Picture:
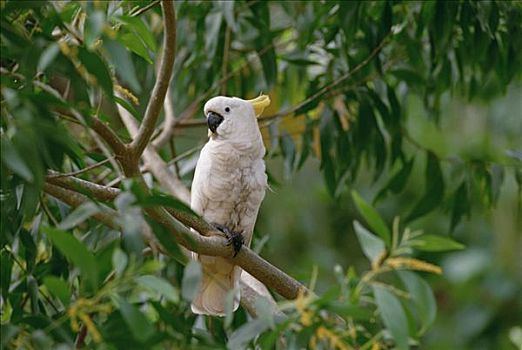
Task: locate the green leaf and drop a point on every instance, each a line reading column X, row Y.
column 96, row 66
column 140, row 326
column 394, row 104
column 48, row 56
column 212, row 28
column 76, row 252
column 29, row 247
column 119, row 261
column 227, row 8
column 372, row 217
column 141, row 29
column 435, row 243
column 8, row 332
column 393, row 316
column 240, row 338
column 161, row 199
column 93, row 27
column 32, row 289
column 288, row 149
column 372, row 246
column 12, row 160
column 422, row 296
column 410, row 76
column 168, row 242
column 191, row 280
column 128, row 107
column 6, row 267
column 349, row 19
column 159, row 285
column 434, row 192
column 460, row 206
column 397, row 182
column 269, row 65
column 79, row 215
column 59, row 288
column 133, row 42
column 349, row 310
column 122, row 62
column 229, row 308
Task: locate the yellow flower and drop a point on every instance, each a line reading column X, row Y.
column 412, row 264
column 127, row 94
column 324, row 334
column 82, row 310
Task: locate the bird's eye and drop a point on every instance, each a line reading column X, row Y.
column 227, row 109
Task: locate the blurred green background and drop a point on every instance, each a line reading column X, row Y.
column 480, row 293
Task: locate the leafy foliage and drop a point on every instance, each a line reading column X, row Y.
column 339, row 74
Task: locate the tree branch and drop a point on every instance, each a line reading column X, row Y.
column 162, row 82
column 207, row 242
column 153, row 162
column 84, row 170
column 168, row 125
column 90, row 189
column 75, row 199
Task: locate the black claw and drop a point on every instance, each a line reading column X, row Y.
column 235, row 239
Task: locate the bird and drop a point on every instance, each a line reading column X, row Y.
column 228, row 187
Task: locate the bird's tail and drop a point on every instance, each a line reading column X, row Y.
column 219, row 277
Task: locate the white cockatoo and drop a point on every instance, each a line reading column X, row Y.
column 228, row 188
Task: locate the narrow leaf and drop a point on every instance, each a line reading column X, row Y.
column 96, row 66
column 435, row 243
column 76, row 252
column 372, row 246
column 392, row 315
column 79, row 215
column 240, row 338
column 59, row 288
column 434, row 192
column 122, row 62
column 132, row 42
column 164, row 200
column 422, row 296
column 141, row 328
column 372, row 217
column 141, row 29
column 12, row 159
column 159, row 285
column 191, row 280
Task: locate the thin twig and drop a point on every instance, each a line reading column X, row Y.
column 99, row 192
column 170, row 122
column 80, row 339
column 162, row 82
column 144, row 9
column 81, row 171
column 47, row 211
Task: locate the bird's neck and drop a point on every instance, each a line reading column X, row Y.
column 252, row 147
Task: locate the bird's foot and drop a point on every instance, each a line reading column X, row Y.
column 235, row 239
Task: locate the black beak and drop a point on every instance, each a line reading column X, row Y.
column 213, row 121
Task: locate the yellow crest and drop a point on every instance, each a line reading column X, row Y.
column 260, row 103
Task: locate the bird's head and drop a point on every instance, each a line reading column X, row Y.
column 232, row 117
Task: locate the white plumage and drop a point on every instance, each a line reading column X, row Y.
column 228, row 188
